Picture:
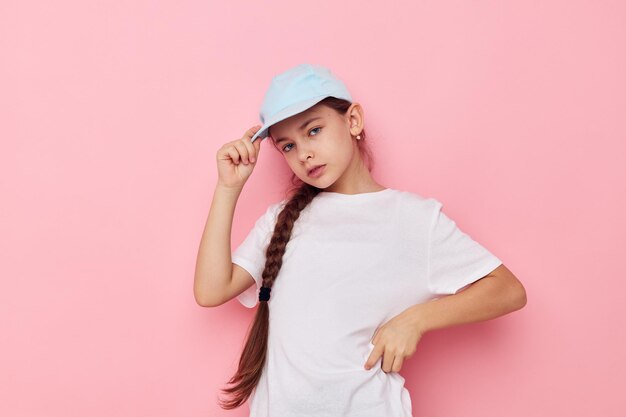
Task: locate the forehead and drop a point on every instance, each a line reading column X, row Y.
column 294, row 123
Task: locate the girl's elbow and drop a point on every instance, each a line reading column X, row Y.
column 519, row 297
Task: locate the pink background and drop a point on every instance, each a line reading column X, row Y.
column 510, row 113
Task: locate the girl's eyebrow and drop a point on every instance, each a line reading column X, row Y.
column 302, row 126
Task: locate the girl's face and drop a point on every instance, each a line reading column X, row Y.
column 319, row 136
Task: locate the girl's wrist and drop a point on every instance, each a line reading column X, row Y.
column 228, row 189
column 419, row 318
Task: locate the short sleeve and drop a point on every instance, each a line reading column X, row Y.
column 455, row 259
column 250, row 254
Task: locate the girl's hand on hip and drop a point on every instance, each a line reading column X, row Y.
column 395, row 341
column 236, row 160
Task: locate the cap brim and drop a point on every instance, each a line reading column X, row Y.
column 286, row 113
column 261, row 134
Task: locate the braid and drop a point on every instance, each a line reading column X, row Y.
column 282, row 232
column 253, row 356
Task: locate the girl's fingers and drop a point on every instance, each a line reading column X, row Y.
column 397, row 364
column 387, row 361
column 250, row 132
column 243, row 150
column 252, row 150
column 257, row 147
column 232, row 152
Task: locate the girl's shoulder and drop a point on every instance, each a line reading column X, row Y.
column 417, row 199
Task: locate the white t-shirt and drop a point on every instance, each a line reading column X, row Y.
column 353, row 262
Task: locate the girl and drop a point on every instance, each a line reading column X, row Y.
column 357, row 271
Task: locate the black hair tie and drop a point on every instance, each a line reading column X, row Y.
column 264, row 294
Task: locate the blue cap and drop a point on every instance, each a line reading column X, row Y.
column 294, row 91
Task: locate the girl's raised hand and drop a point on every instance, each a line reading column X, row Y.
column 237, row 159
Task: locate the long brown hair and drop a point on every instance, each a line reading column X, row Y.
column 252, row 358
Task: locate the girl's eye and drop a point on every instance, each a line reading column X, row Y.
column 315, row 128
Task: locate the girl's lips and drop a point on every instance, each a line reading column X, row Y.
column 316, row 172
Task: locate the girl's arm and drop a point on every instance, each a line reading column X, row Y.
column 214, row 268
column 214, row 264
column 496, row 294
